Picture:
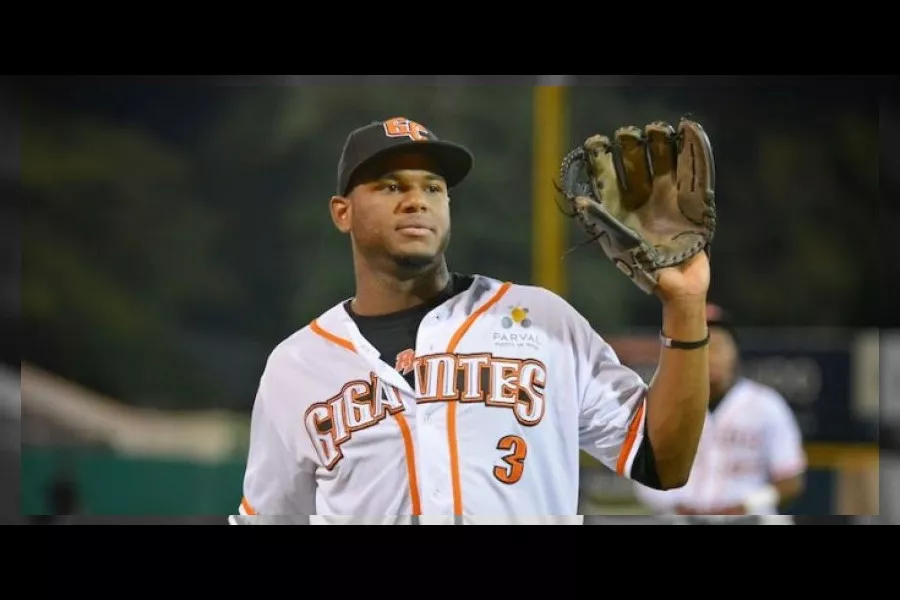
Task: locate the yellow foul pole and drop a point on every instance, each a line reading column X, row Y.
column 548, row 223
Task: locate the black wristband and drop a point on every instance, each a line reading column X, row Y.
column 668, row 342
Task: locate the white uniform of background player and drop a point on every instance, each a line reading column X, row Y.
column 468, row 399
column 751, row 456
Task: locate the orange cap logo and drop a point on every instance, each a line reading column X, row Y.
column 403, row 127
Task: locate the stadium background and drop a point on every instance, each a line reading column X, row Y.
column 173, row 231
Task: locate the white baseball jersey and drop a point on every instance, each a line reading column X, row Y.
column 510, row 382
column 750, row 439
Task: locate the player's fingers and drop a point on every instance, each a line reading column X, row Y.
column 633, row 167
column 661, row 151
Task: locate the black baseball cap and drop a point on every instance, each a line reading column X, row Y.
column 400, row 135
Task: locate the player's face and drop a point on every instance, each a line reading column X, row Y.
column 400, row 210
column 723, row 356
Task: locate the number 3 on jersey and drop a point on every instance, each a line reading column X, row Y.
column 516, row 450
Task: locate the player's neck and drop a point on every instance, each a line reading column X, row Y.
column 381, row 293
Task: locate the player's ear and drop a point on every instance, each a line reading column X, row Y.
column 340, row 213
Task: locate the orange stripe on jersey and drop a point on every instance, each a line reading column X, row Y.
column 408, row 447
column 629, row 439
column 410, row 463
column 248, row 508
column 452, row 404
column 331, row 337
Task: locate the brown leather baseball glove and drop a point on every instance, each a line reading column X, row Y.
column 647, row 196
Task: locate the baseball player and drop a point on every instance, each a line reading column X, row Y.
column 437, row 397
column 751, row 459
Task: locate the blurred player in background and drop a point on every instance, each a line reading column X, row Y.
column 751, row 459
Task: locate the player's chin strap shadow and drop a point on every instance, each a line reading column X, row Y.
column 571, row 214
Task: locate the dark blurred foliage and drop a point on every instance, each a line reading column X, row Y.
column 173, row 233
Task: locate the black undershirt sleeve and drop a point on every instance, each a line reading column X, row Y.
column 643, row 469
